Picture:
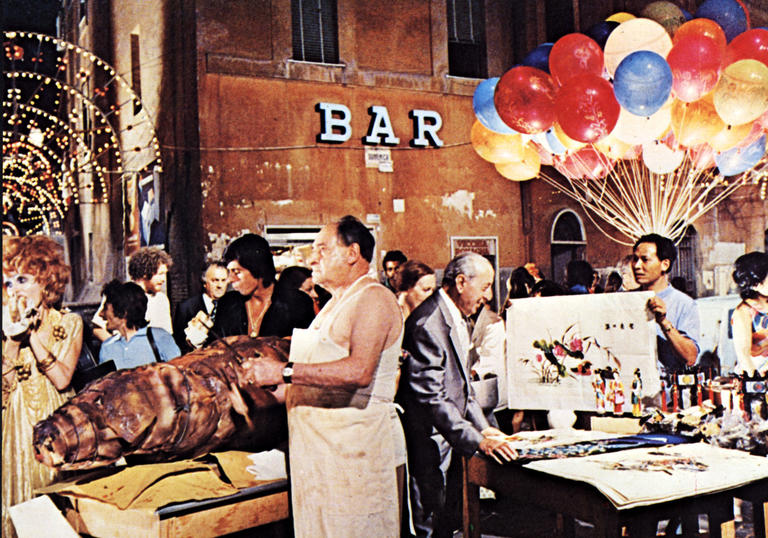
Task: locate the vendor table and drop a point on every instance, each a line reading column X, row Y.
column 576, row 499
column 250, row 507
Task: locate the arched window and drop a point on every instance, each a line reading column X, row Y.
column 567, row 242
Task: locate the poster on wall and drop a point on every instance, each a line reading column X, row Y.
column 485, row 246
column 131, row 231
column 581, row 352
column 152, row 227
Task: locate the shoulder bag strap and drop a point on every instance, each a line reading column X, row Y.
column 152, row 343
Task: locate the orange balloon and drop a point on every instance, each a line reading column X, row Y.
column 695, row 123
column 526, row 169
column 701, row 27
column 730, row 136
column 495, row 147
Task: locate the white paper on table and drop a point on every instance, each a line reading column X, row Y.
column 268, row 465
column 724, row 469
column 40, row 517
column 619, row 322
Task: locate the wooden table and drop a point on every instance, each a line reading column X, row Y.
column 574, row 499
column 250, row 507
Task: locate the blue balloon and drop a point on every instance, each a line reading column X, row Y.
column 485, row 110
column 686, row 14
column 539, row 57
column 642, row 82
column 727, row 13
column 554, row 143
column 600, row 31
column 738, row 160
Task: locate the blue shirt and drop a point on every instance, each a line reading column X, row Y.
column 137, row 350
column 683, row 313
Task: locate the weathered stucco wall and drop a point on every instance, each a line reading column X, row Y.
column 447, row 191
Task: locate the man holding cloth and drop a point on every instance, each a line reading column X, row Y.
column 342, row 425
column 676, row 314
column 441, row 414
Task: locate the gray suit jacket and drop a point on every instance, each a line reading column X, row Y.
column 434, row 388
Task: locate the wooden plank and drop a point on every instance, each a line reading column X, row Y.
column 227, row 518
column 103, row 519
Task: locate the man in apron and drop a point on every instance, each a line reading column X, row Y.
column 343, row 430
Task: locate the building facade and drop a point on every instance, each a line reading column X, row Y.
column 278, row 116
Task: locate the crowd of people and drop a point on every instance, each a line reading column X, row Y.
column 383, row 372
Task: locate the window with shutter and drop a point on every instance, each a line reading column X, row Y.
column 466, row 39
column 315, row 31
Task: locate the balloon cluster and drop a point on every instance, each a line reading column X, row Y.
column 663, row 89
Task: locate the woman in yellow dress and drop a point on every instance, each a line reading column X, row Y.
column 41, row 346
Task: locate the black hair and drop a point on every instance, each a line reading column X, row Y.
column 129, row 302
column 665, row 248
column 547, row 288
column 293, row 277
column 750, row 270
column 520, row 283
column 396, row 256
column 578, row 272
column 350, row 230
column 252, row 252
column 614, row 281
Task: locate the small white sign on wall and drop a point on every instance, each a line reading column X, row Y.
column 380, row 158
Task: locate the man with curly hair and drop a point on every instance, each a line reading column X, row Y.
column 147, row 267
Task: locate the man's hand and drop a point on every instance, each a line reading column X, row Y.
column 264, row 371
column 658, row 309
column 495, row 445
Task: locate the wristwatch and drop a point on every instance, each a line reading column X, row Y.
column 288, row 373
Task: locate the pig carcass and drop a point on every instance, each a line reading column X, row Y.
column 166, row 411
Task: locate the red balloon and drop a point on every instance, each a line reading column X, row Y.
column 695, row 62
column 587, row 163
column 749, row 45
column 586, row 108
column 525, row 99
column 575, row 54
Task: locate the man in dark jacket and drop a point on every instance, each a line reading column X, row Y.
column 441, row 414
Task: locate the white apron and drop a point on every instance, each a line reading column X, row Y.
column 342, row 453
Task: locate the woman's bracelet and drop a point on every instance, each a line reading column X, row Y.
column 46, row 363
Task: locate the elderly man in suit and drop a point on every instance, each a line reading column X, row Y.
column 214, row 287
column 441, row 415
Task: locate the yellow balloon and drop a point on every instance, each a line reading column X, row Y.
column 695, row 123
column 633, row 35
column 620, row 17
column 523, row 170
column 567, row 141
column 612, row 147
column 640, row 129
column 741, row 94
column 496, row 147
column 729, row 136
